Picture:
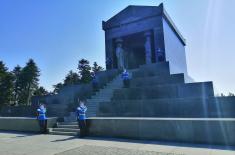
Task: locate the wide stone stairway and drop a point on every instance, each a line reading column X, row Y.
column 158, row 106
column 70, row 125
column 161, row 106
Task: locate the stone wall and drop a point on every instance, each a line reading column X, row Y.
column 23, row 124
column 215, row 131
column 174, row 50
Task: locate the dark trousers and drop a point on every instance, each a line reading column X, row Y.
column 126, row 83
column 43, row 126
column 83, row 128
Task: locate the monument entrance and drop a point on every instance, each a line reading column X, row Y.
column 133, row 47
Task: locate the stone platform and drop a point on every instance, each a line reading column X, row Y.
column 189, row 130
column 24, row 124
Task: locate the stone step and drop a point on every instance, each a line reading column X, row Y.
column 67, row 123
column 65, row 129
column 152, row 70
column 109, row 86
column 91, row 113
column 64, row 133
column 98, row 100
column 68, row 126
column 177, row 107
column 70, row 119
column 200, row 89
column 92, row 109
column 103, row 93
column 94, row 102
column 102, row 96
column 113, row 87
column 91, row 105
column 152, row 65
column 157, row 80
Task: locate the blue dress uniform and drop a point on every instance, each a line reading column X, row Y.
column 126, row 79
column 42, row 119
column 81, row 116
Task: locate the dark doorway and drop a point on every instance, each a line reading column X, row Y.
column 134, row 50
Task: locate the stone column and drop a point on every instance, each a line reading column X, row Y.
column 119, row 53
column 147, row 45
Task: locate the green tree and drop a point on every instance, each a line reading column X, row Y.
column 84, row 70
column 28, row 81
column 231, row 94
column 57, row 87
column 6, row 84
column 41, row 91
column 16, row 92
column 72, row 78
column 97, row 68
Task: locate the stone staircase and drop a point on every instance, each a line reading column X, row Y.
column 70, row 126
column 65, row 128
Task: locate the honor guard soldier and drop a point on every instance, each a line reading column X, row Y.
column 125, row 78
column 42, row 119
column 81, row 117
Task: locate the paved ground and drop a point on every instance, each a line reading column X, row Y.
column 31, row 144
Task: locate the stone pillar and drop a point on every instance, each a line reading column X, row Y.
column 148, row 50
column 119, row 54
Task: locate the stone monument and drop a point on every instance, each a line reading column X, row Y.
column 146, row 34
column 160, row 104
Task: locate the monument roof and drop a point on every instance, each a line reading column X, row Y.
column 133, row 13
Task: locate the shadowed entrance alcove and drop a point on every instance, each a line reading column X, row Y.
column 134, row 50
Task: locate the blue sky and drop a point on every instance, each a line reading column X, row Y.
column 57, row 33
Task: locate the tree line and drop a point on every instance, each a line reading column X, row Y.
column 19, row 85
column 84, row 75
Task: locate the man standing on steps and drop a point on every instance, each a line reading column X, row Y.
column 81, row 117
column 125, row 78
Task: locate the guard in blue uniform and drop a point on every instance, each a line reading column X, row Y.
column 81, row 117
column 42, row 119
column 125, row 78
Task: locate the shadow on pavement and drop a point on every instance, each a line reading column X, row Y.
column 19, row 134
column 69, row 138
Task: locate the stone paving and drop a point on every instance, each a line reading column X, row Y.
column 33, row 144
column 104, row 150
